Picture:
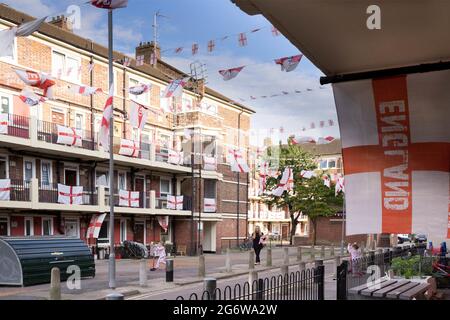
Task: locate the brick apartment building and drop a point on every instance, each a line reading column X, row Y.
column 35, row 164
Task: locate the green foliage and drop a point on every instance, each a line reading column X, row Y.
column 412, row 266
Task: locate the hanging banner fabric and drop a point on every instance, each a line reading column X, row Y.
column 396, row 151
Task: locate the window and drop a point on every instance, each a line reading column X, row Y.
column 29, row 228
column 47, row 226
column 104, row 230
column 332, row 163
column 102, row 178
column 65, row 67
column 135, row 136
column 122, row 181
column 323, row 164
column 5, row 105
column 209, row 146
column 165, row 187
column 46, row 173
column 28, row 170
column 123, row 230
column 164, row 141
column 79, row 121
column 210, row 189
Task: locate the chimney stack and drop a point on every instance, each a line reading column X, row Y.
column 62, row 22
column 146, row 49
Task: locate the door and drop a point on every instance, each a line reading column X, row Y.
column 71, row 228
column 139, row 185
column 3, row 169
column 209, row 236
column 70, row 177
column 284, row 232
column 139, row 234
column 3, row 226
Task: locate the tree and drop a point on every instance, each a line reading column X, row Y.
column 309, row 196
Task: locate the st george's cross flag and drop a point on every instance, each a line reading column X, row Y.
column 103, row 135
column 30, row 98
column 229, row 74
column 326, row 180
column 139, row 89
column 129, row 148
column 138, row 115
column 70, row 194
column 289, row 64
column 340, row 185
column 129, row 198
column 37, row 80
column 69, row 136
column 237, row 162
column 4, row 123
column 396, row 150
column 286, row 182
column 307, row 174
column 175, row 88
column 84, row 90
column 109, row 4
column 5, row 189
column 325, row 140
column 302, row 139
column 95, row 225
column 175, row 202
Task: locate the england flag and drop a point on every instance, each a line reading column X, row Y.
column 289, row 64
column 229, row 74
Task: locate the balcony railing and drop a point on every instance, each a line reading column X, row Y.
column 18, row 126
column 20, row 190
column 48, row 193
column 48, row 132
column 144, row 200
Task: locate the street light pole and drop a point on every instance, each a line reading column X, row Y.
column 112, row 256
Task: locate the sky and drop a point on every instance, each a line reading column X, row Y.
column 197, row 21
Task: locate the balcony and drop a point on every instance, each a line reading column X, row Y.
column 48, row 132
column 48, row 193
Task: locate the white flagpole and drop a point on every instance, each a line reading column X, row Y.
column 112, row 256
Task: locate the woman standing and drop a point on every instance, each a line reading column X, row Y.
column 258, row 239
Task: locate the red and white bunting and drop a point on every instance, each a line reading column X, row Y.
column 307, row 174
column 138, row 115
column 194, row 49
column 340, row 185
column 242, row 38
column 70, row 194
column 176, row 157
column 126, row 61
column 129, row 198
column 69, row 136
column 298, row 140
column 229, row 74
column 129, row 148
column 175, row 88
column 37, row 80
column 103, row 135
column 178, row 50
column 164, row 222
column 5, row 189
column 325, row 140
column 140, row 60
column 275, row 32
column 110, row 4
column 4, row 122
column 209, row 163
column 237, row 162
column 91, row 66
column 95, row 225
column 211, row 45
column 84, row 90
column 209, row 205
column 326, row 180
column 289, row 64
column 286, row 182
column 139, row 89
column 175, row 202
column 30, row 98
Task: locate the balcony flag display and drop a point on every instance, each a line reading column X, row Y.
column 175, row 157
column 175, row 88
column 70, row 194
column 289, row 64
column 129, row 198
column 109, row 4
column 103, row 135
column 237, row 162
column 164, row 222
column 69, row 136
column 209, row 163
column 4, row 122
column 286, row 183
column 229, row 74
column 5, row 189
column 84, row 90
column 138, row 115
column 175, row 202
column 129, row 148
column 209, row 205
column 95, row 225
column 139, row 89
column 37, row 80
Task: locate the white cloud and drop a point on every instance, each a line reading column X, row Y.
column 35, row 8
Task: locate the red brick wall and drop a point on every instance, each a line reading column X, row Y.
column 228, row 228
column 329, row 232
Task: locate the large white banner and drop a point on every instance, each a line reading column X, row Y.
column 396, row 148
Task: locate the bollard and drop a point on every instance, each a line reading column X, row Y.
column 169, row 270
column 143, row 272
column 299, row 254
column 286, row 256
column 55, row 284
column 251, row 259
column 228, row 267
column 284, row 270
column 337, row 262
column 269, row 257
column 201, row 265
column 209, row 286
column 318, row 263
column 302, row 266
column 332, row 251
column 322, row 252
column 252, row 277
column 312, row 253
column 115, row 296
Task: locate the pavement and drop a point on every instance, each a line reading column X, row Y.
column 185, row 276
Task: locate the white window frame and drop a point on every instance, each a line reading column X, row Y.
column 107, row 177
column 51, row 225
column 63, row 73
column 73, row 167
column 50, row 173
column 5, row 157
column 31, row 220
column 124, row 173
column 8, row 224
column 160, row 185
column 11, row 101
column 123, row 236
column 77, row 114
column 33, row 173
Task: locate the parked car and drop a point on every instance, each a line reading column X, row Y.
column 403, row 238
column 420, row 238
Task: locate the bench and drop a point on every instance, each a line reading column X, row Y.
column 385, row 288
column 181, row 249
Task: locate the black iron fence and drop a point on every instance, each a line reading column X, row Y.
column 20, row 190
column 355, row 272
column 48, row 132
column 305, row 285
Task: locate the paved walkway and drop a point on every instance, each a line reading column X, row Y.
column 185, row 274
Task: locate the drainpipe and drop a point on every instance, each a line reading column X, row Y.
column 238, row 181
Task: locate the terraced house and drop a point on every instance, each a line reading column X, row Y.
column 202, row 123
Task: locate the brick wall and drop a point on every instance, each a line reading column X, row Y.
column 227, row 228
column 329, row 232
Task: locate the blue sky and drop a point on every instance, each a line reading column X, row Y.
column 199, row 21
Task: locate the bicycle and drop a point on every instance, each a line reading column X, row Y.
column 246, row 245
